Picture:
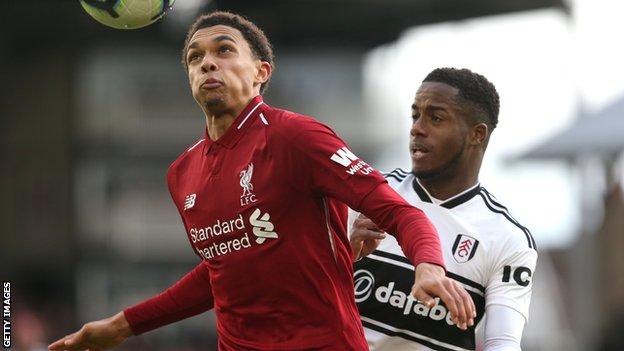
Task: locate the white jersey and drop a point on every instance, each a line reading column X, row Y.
column 485, row 249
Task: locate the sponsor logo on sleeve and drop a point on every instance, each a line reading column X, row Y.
column 346, row 158
column 464, row 248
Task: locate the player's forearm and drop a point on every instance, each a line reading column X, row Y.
column 190, row 296
column 414, row 232
column 502, row 346
column 503, row 328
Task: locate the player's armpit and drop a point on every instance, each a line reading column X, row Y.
column 190, row 296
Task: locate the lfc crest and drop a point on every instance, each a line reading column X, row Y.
column 248, row 196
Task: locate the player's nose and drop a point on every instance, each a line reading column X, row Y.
column 208, row 64
column 418, row 128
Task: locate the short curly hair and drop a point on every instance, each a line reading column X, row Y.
column 260, row 46
column 475, row 90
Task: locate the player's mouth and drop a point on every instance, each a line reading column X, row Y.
column 418, row 150
column 211, row 83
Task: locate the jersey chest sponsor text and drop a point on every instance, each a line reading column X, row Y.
column 233, row 234
column 382, row 292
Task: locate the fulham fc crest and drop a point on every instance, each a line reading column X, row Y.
column 464, row 248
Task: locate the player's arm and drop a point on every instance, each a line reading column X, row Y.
column 325, row 165
column 190, row 296
column 503, row 328
column 508, row 294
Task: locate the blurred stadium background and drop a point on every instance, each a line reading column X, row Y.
column 91, row 117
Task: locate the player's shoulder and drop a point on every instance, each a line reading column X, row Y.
column 501, row 225
column 291, row 124
column 396, row 177
column 190, row 152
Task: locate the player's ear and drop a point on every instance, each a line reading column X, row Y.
column 478, row 134
column 263, row 71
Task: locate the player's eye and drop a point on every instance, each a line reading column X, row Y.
column 415, row 116
column 225, row 49
column 193, row 57
column 435, row 118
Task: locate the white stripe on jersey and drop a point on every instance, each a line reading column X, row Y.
column 412, row 334
column 411, row 267
column 249, row 114
column 263, row 119
column 329, row 233
column 194, row 145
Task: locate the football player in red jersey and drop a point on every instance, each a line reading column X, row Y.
column 263, row 197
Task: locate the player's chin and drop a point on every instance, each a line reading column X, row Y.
column 422, row 171
column 213, row 100
column 421, row 163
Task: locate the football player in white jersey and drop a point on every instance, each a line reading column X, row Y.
column 485, row 249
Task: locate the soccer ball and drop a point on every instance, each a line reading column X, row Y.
column 126, row 14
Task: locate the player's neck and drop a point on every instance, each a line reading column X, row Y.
column 444, row 187
column 220, row 118
column 217, row 125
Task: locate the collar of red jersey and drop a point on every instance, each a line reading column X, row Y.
column 238, row 127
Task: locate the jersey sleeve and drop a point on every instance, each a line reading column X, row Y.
column 190, row 296
column 324, row 163
column 416, row 235
column 511, row 277
column 330, row 168
column 503, row 329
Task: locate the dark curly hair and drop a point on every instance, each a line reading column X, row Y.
column 255, row 37
column 474, row 89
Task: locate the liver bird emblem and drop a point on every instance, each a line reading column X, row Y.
column 245, row 179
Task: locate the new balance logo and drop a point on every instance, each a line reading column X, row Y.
column 344, row 157
column 189, row 201
column 263, row 228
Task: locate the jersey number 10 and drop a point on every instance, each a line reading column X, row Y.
column 518, row 275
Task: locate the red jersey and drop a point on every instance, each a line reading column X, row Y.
column 264, row 208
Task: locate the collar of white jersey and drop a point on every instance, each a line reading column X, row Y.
column 451, row 202
column 253, row 110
